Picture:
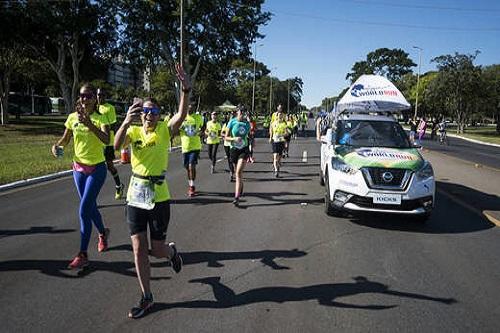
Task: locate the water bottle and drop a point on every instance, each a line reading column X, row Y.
column 59, row 151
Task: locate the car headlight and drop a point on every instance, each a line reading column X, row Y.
column 425, row 171
column 339, row 165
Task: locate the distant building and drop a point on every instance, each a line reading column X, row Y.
column 123, row 74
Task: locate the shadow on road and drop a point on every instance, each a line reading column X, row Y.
column 448, row 216
column 213, row 259
column 325, row 294
column 33, row 230
column 58, row 268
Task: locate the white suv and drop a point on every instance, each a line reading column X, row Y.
column 369, row 165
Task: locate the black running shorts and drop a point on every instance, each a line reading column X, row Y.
column 237, row 154
column 278, row 147
column 109, row 153
column 157, row 218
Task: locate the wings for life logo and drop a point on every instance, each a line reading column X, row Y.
column 359, row 90
column 386, row 154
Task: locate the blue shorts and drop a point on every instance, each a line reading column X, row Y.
column 191, row 158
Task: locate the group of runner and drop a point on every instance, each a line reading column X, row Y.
column 150, row 140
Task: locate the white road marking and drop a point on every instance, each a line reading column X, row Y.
column 304, row 156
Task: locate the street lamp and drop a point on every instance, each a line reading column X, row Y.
column 271, row 90
column 253, row 86
column 418, row 78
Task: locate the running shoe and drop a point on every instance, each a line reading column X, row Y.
column 102, row 244
column 119, row 192
column 191, row 191
column 212, row 169
column 252, row 160
column 176, row 259
column 145, row 304
column 236, row 201
column 80, row 261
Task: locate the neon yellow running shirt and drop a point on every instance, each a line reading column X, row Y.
column 213, row 129
column 190, row 133
column 89, row 150
column 109, row 113
column 150, row 155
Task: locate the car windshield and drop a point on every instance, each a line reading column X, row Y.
column 371, row 133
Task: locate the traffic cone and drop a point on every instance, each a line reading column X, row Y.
column 125, row 156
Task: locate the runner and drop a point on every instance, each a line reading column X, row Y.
column 422, row 126
column 109, row 113
column 251, row 137
column 90, row 132
column 277, row 133
column 191, row 146
column 148, row 197
column 212, row 134
column 413, row 130
column 227, row 145
column 237, row 135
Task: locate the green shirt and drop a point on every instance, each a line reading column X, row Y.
column 89, row 150
column 190, row 133
column 213, row 129
column 239, row 129
column 109, row 113
column 150, row 155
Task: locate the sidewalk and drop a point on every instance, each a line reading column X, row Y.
column 475, row 187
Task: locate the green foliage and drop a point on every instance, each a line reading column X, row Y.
column 391, row 63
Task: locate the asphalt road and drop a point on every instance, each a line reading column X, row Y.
column 277, row 263
column 466, row 150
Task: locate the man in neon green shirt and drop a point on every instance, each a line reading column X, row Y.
column 148, row 197
column 213, row 132
column 191, row 145
column 109, row 113
column 277, row 137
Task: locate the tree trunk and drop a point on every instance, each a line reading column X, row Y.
column 5, row 87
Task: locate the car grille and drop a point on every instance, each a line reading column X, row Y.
column 375, row 178
column 406, row 205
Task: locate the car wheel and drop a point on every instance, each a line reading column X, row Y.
column 330, row 208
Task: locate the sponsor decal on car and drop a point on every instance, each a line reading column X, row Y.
column 382, row 158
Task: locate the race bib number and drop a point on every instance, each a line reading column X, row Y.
column 141, row 194
column 239, row 144
column 190, row 130
column 278, row 138
column 212, row 135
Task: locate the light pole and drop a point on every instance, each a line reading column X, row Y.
column 418, row 78
column 288, row 96
column 271, row 91
column 253, row 86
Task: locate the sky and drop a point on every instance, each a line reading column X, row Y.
column 320, row 40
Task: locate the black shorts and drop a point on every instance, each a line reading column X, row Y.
column 157, row 218
column 237, row 154
column 191, row 158
column 278, row 147
column 109, row 153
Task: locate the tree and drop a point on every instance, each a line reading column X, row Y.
column 491, row 84
column 458, row 85
column 391, row 63
column 77, row 28
column 216, row 32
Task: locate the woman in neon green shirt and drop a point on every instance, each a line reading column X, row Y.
column 277, row 136
column 213, row 139
column 148, row 197
column 90, row 132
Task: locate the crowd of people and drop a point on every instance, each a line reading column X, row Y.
column 419, row 126
column 150, row 139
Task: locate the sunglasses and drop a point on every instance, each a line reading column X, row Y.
column 153, row 111
column 86, row 95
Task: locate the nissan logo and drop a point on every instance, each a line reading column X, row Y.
column 387, row 177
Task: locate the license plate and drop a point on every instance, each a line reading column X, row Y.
column 387, row 199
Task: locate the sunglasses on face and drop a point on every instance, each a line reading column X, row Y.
column 153, row 111
column 86, row 95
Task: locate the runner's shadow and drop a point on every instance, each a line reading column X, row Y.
column 33, row 230
column 324, row 294
column 58, row 268
column 214, row 259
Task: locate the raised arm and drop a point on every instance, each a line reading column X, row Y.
column 177, row 119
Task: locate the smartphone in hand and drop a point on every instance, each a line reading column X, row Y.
column 136, row 115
